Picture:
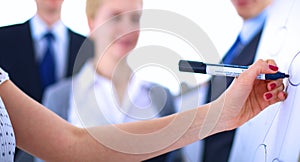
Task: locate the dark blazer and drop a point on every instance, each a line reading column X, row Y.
column 217, row 147
column 17, row 57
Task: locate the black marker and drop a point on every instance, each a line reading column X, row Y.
column 223, row 70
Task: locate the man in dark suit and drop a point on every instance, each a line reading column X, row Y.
column 217, row 147
column 22, row 50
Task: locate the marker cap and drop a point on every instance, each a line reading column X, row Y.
column 192, row 66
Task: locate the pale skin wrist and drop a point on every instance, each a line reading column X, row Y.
column 226, row 118
column 216, row 118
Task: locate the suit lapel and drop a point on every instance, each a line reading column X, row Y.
column 80, row 49
column 247, row 55
column 29, row 67
column 85, row 102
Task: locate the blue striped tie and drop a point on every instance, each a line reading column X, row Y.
column 234, row 51
column 47, row 65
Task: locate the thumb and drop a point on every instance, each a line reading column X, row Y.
column 259, row 67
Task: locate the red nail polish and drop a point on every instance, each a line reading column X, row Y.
column 273, row 86
column 268, row 96
column 274, row 68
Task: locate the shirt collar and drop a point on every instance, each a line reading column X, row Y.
column 88, row 78
column 252, row 26
column 39, row 28
column 135, row 82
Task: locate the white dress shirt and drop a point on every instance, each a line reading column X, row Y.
column 60, row 44
column 252, row 26
column 87, row 84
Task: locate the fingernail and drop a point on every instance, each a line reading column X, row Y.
column 268, row 96
column 285, row 95
column 274, row 68
column 273, row 86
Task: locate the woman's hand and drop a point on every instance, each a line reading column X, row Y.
column 248, row 96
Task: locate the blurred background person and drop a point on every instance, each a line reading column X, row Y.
column 242, row 52
column 272, row 135
column 106, row 90
column 39, row 52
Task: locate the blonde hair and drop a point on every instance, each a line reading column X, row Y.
column 91, row 7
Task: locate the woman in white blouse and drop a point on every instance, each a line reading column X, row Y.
column 106, row 89
column 44, row 134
